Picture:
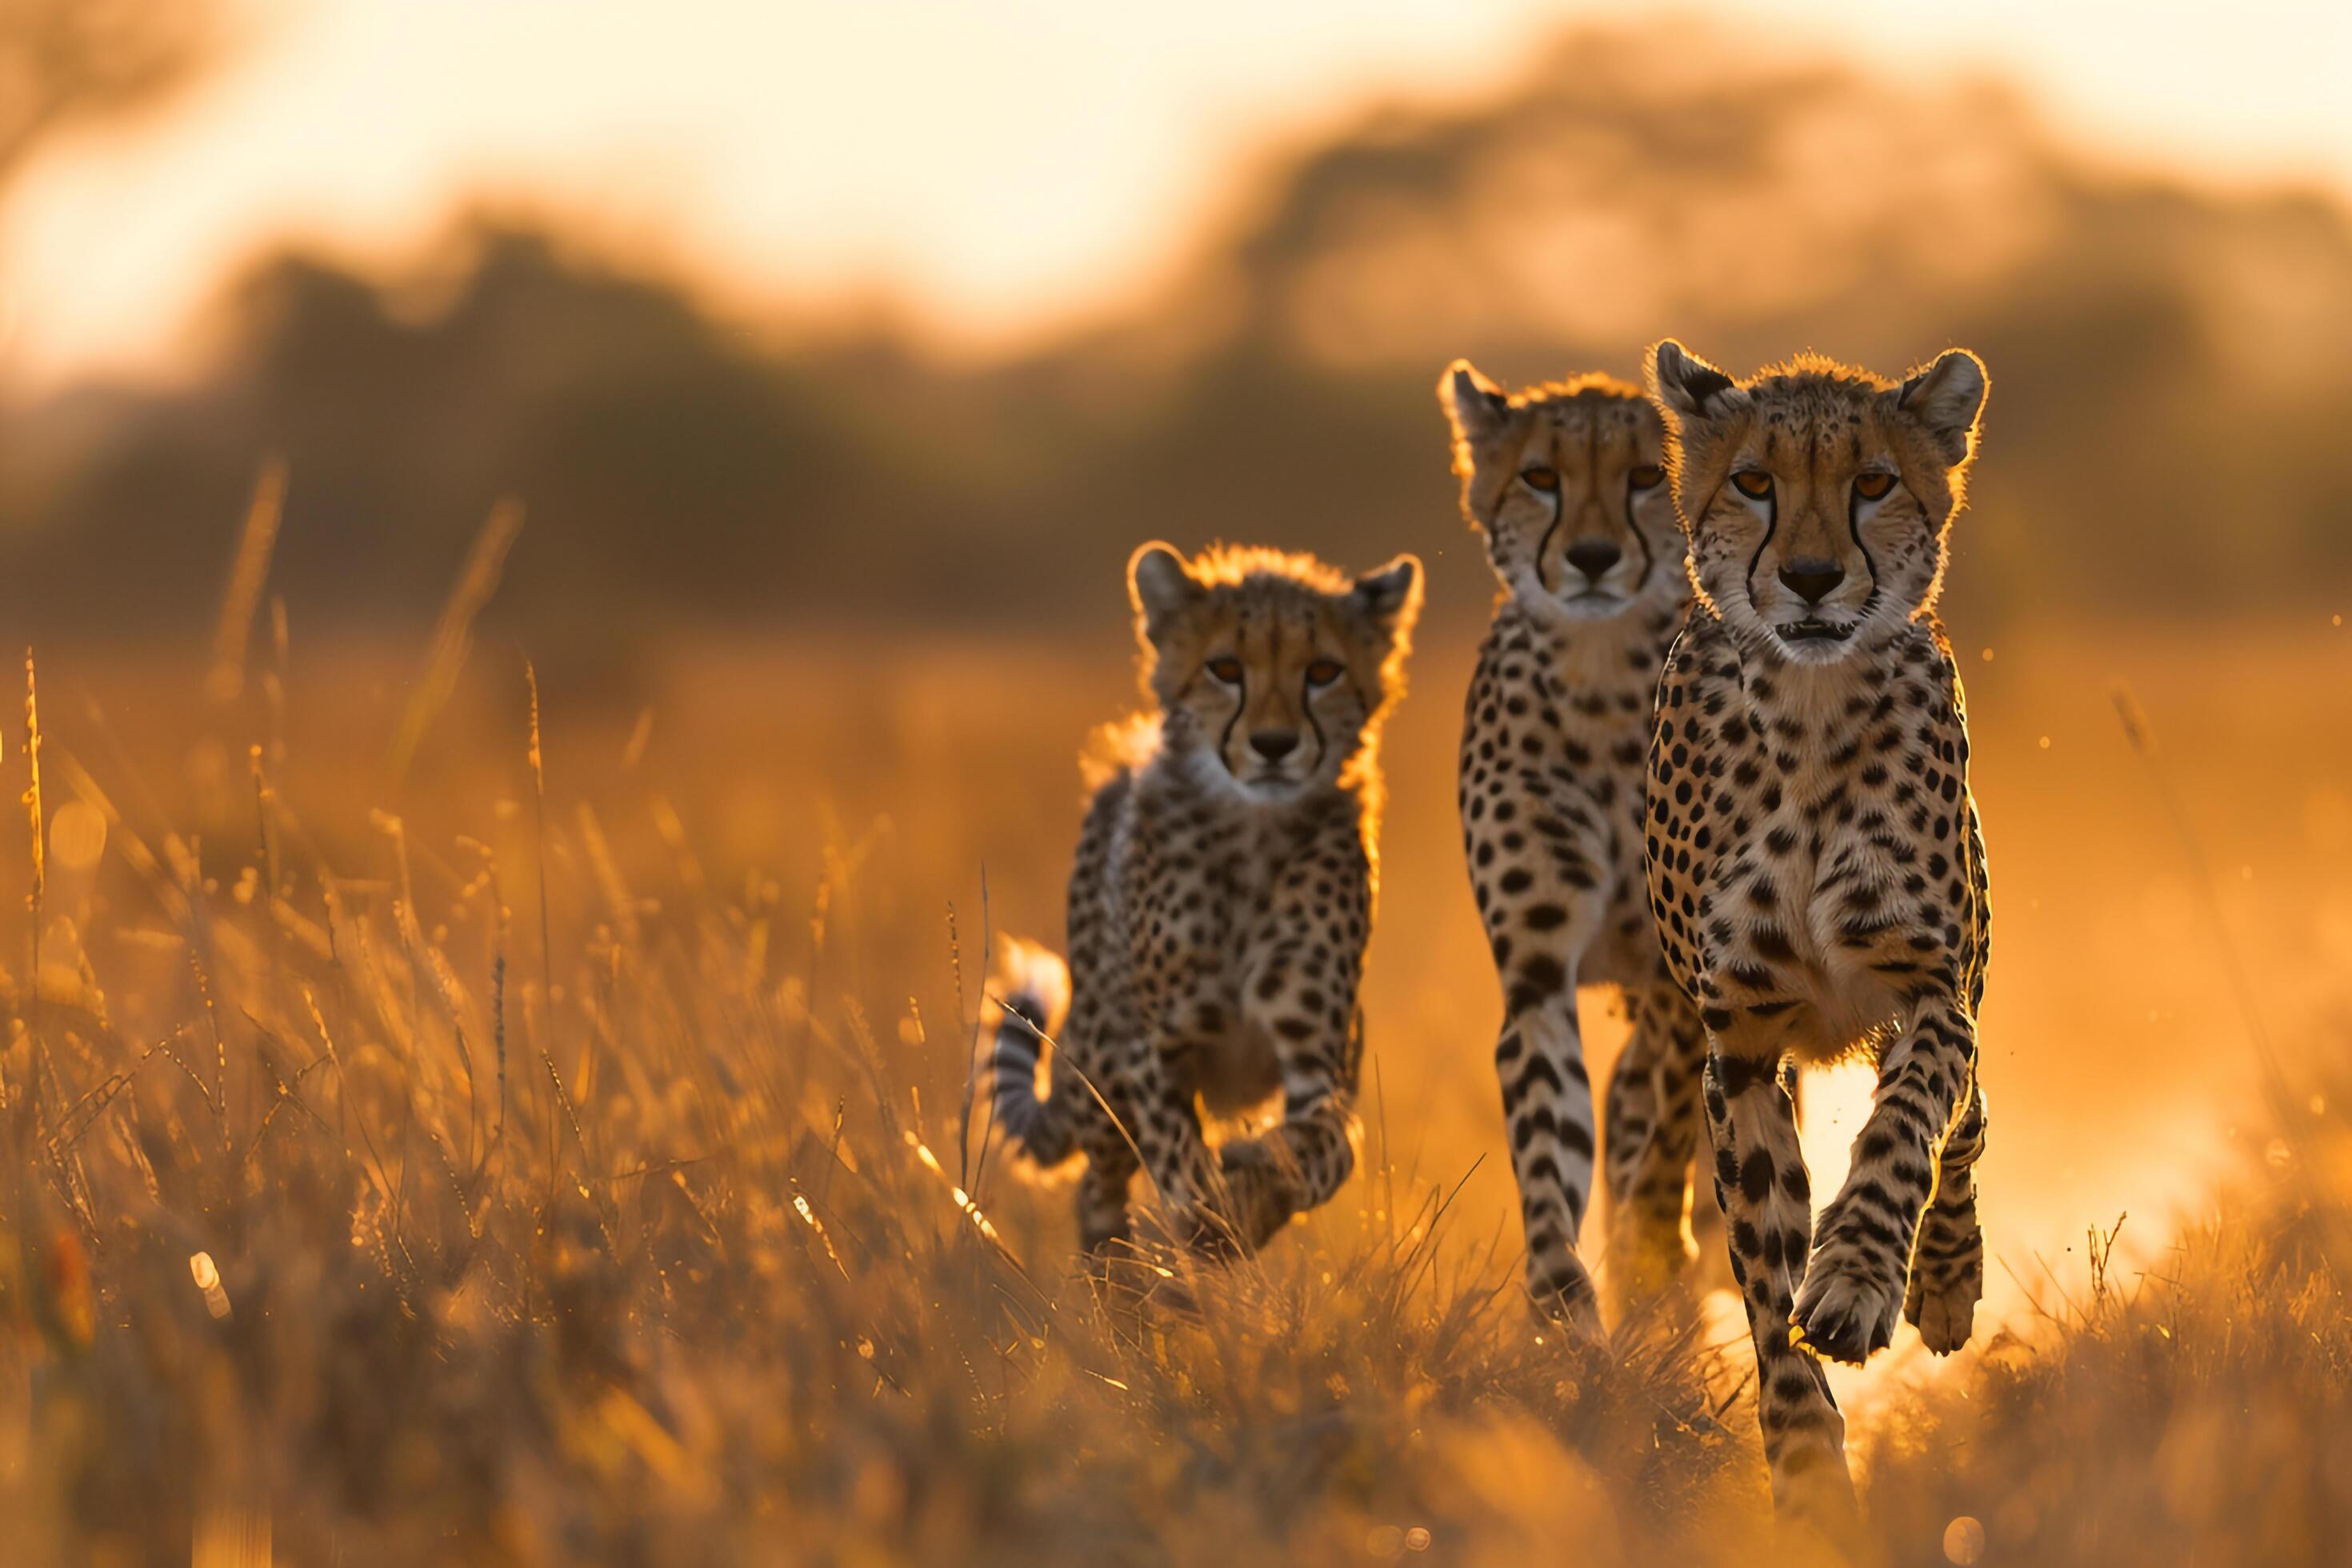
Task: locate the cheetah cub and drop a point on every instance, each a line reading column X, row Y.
column 1567, row 485
column 1814, row 860
column 1221, row 902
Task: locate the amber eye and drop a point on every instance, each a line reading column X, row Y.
column 1542, row 478
column 1646, row 476
column 1228, row 671
column 1753, row 482
column 1323, row 673
column 1870, row 487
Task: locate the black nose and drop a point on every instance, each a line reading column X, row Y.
column 1593, row 556
column 1273, row 745
column 1810, row 578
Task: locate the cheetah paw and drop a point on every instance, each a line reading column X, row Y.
column 1845, row 1309
column 1253, row 1203
column 1562, row 1295
column 1944, row 1309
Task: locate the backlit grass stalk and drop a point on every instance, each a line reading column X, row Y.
column 34, row 818
column 247, row 575
column 546, row 941
column 453, row 637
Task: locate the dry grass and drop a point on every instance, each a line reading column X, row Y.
column 2198, row 1411
column 548, row 1149
column 386, row 1194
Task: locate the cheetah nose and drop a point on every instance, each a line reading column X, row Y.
column 1810, row 578
column 1593, row 556
column 1273, row 745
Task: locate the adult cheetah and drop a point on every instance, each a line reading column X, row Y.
column 1566, row 483
column 1815, row 865
column 1221, row 902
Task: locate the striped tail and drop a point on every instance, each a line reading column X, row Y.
column 1032, row 986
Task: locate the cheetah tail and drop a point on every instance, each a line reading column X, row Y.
column 1032, row 993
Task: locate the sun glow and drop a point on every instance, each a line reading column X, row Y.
column 1011, row 167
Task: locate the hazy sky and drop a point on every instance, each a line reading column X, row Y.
column 996, row 164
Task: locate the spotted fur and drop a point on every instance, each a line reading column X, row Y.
column 1814, row 861
column 1221, row 902
column 1566, row 485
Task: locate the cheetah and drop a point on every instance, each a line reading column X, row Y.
column 1566, row 483
column 1815, row 865
column 1220, row 902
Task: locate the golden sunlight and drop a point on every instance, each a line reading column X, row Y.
column 992, row 171
column 815, row 779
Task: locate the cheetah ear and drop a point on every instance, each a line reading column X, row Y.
column 1391, row 595
column 1948, row 398
column 1689, row 386
column 1160, row 584
column 1476, row 406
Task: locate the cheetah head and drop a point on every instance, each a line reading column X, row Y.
column 1567, row 483
column 1272, row 671
column 1819, row 497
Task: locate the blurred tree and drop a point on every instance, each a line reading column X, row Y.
column 2163, row 354
column 65, row 63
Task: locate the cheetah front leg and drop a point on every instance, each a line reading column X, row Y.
column 1948, row 1265
column 1299, row 994
column 1548, row 1096
column 1650, row 1134
column 1859, row 1277
column 1167, row 1121
column 1310, row 1018
column 1767, row 1201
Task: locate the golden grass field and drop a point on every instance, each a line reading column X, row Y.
column 482, row 1132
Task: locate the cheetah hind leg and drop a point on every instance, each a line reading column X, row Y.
column 1651, row 1133
column 1948, row 1267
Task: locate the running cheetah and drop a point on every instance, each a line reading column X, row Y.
column 1221, row 901
column 1566, row 483
column 1815, row 865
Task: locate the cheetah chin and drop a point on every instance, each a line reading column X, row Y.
column 1256, row 791
column 1815, row 641
column 1815, row 631
column 1592, row 604
column 1267, row 788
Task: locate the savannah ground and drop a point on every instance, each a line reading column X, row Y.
column 451, row 1128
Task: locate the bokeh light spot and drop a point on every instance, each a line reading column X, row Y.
column 77, row 835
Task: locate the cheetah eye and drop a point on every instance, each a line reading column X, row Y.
column 1542, row 478
column 1646, row 476
column 1753, row 483
column 1870, row 487
column 1227, row 670
column 1323, row 673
